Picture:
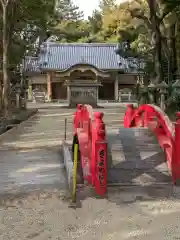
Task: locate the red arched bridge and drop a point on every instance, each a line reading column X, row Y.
column 107, row 158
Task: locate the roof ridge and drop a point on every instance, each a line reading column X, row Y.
column 31, row 57
column 81, row 44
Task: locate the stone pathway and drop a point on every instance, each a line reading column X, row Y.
column 30, row 155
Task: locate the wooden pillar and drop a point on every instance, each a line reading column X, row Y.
column 69, row 95
column 30, row 93
column 116, row 89
column 97, row 94
column 49, row 87
column 17, row 100
column 97, row 89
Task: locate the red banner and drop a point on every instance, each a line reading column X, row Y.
column 101, row 168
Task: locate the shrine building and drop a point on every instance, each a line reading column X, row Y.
column 60, row 66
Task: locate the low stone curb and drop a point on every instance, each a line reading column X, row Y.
column 26, row 114
column 20, row 125
column 68, row 163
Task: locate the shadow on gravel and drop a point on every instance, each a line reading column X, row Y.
column 35, row 193
column 129, row 195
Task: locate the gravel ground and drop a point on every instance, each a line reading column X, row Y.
column 125, row 214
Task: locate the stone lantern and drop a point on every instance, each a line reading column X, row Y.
column 25, row 93
column 151, row 86
column 163, row 89
column 18, row 91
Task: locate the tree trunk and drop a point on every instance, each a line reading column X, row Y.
column 172, row 47
column 6, row 84
column 157, row 40
column 158, row 59
column 1, row 92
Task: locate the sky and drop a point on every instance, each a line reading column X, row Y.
column 87, row 6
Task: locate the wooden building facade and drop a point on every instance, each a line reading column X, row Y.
column 59, row 64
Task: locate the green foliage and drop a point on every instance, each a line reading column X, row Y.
column 172, row 99
column 69, row 25
column 113, row 22
column 127, row 21
column 27, row 20
column 95, row 22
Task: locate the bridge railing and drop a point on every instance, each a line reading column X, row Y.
column 89, row 129
column 167, row 133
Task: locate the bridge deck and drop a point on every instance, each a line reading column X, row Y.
column 135, row 158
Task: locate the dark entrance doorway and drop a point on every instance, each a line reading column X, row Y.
column 59, row 91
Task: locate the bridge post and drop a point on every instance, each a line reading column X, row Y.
column 128, row 115
column 146, row 119
column 100, row 173
column 78, row 118
column 176, row 152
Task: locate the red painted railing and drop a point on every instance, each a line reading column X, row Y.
column 167, row 133
column 89, row 128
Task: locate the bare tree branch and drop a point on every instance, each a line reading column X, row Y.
column 3, row 3
column 135, row 14
column 164, row 15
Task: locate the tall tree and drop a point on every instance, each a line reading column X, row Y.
column 69, row 25
column 22, row 22
column 8, row 17
column 160, row 17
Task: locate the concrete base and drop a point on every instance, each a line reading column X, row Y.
column 68, row 163
column 72, row 107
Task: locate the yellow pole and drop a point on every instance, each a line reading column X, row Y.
column 75, row 172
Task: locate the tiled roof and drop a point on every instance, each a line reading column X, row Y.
column 61, row 56
column 64, row 55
